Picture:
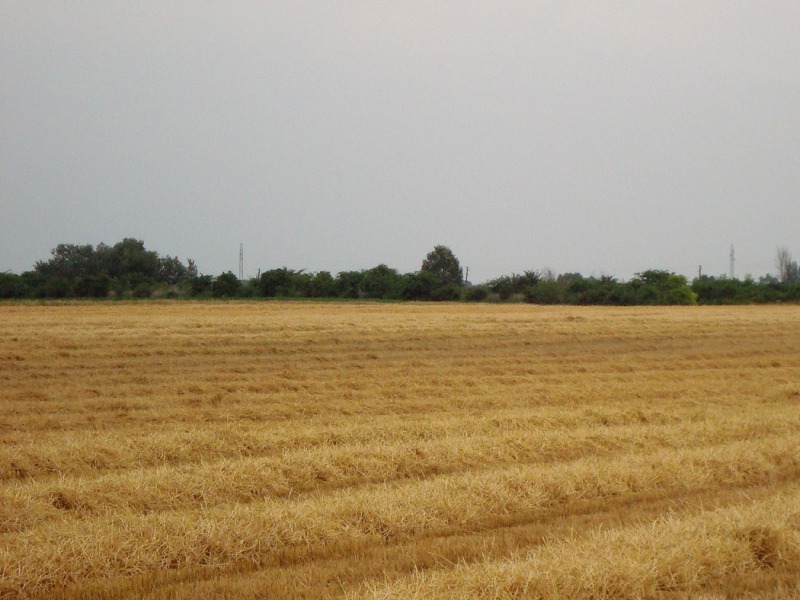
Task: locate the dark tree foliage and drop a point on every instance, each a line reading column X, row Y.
column 547, row 291
column 12, row 286
column 503, row 287
column 723, row 290
column 648, row 287
column 526, row 281
column 515, row 284
column 171, row 270
column 201, row 285
column 70, row 261
column 442, row 263
column 348, row 284
column 128, row 270
column 322, row 285
column 33, row 284
column 593, row 290
column 425, row 285
column 420, row 286
column 661, row 287
column 57, row 286
column 381, row 282
column 226, row 285
column 276, row 282
column 125, row 269
column 93, row 286
column 129, row 257
column 477, row 293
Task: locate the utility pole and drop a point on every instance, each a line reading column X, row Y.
column 732, row 260
column 241, row 262
column 466, row 275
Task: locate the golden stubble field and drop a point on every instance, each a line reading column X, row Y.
column 269, row 450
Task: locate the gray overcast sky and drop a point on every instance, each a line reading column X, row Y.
column 599, row 137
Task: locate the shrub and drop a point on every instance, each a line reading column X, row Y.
column 544, row 292
column 477, row 293
column 226, row 285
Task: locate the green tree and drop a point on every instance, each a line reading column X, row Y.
column 527, row 280
column 275, row 282
column 477, row 293
column 12, row 286
column 93, row 286
column 661, row 287
column 57, row 286
column 33, row 283
column 424, row 285
column 419, row 286
column 200, row 285
column 69, row 261
column 322, row 285
column 503, row 287
column 130, row 257
column 381, row 282
column 348, row 284
column 591, row 290
column 547, row 291
column 442, row 263
column 226, row 285
column 171, row 270
column 300, row 284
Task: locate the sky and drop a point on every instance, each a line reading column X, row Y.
column 604, row 138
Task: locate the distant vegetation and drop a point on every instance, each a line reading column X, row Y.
column 128, row 270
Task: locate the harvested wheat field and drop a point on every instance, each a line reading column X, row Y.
column 278, row 449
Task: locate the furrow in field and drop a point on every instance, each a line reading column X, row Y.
column 363, row 568
column 91, row 403
column 378, row 396
column 247, row 479
column 673, row 554
column 63, row 454
column 175, row 390
column 125, row 543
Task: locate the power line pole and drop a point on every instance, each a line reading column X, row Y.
column 241, row 262
column 732, row 261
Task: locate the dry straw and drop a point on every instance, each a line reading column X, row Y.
column 308, row 449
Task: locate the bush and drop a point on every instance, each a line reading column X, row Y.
column 11, row 286
column 201, row 285
column 545, row 292
column 348, row 284
column 503, row 287
column 661, row 287
column 322, row 285
column 477, row 293
column 226, row 285
column 381, row 282
column 93, row 286
column 143, row 289
column 276, row 282
column 57, row 287
column 419, row 286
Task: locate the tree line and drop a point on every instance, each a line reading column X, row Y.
column 128, row 270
